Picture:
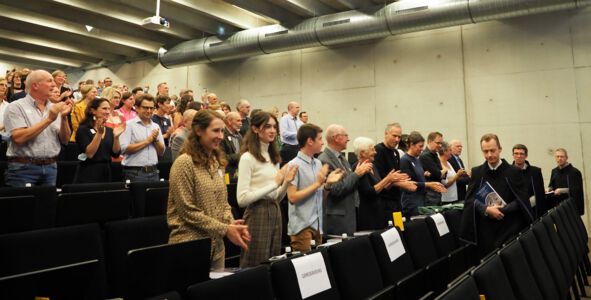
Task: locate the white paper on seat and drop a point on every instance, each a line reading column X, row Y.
column 312, row 274
column 393, row 243
column 440, row 224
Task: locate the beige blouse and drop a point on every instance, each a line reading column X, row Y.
column 197, row 204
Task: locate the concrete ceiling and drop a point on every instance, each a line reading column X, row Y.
column 53, row 33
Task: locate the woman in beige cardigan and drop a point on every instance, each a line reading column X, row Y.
column 197, row 200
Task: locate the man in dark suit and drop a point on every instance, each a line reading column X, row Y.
column 533, row 179
column 566, row 181
column 490, row 226
column 231, row 143
column 342, row 200
column 457, row 163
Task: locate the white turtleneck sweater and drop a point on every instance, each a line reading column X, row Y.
column 256, row 180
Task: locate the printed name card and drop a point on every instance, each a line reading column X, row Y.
column 393, row 244
column 440, row 224
column 311, row 273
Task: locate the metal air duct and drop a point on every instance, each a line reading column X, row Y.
column 351, row 26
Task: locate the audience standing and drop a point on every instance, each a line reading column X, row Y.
column 261, row 185
column 288, row 127
column 142, row 143
column 97, row 142
column 432, row 166
column 342, row 201
column 89, row 93
column 451, row 178
column 37, row 128
column 372, row 186
column 231, row 143
column 127, row 108
column 533, row 180
column 457, row 164
column 566, row 181
column 304, row 192
column 197, row 201
column 180, row 134
column 412, row 166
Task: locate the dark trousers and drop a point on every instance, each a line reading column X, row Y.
column 288, row 152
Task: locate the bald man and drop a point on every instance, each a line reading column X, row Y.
column 243, row 108
column 288, row 127
column 181, row 133
column 231, row 143
column 38, row 128
column 457, row 163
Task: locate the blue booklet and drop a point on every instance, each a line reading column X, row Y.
column 487, row 195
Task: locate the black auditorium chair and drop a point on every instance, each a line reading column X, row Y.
column 92, row 207
column 285, row 281
column 117, row 172
column 580, row 231
column 464, row 289
column 171, row 267
column 550, row 286
column 138, row 191
column 492, row 280
column 156, row 201
column 49, row 248
column 519, row 272
column 356, row 269
column 66, row 172
column 565, row 254
column 126, row 235
column 16, row 213
column 410, row 282
column 253, row 283
column 92, row 187
column 45, row 203
column 558, row 269
column 569, row 241
column 424, row 254
column 164, row 168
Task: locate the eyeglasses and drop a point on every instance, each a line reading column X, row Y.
column 148, row 107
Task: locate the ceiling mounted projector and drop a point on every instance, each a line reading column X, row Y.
column 155, row 22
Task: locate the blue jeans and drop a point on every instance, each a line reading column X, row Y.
column 19, row 174
column 134, row 175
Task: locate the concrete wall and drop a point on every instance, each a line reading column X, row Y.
column 526, row 79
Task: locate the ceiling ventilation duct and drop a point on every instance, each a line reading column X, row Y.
column 351, row 26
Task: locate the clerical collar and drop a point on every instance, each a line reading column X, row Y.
column 495, row 167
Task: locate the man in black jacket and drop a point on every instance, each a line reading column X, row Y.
column 566, row 181
column 432, row 165
column 387, row 159
column 231, row 143
column 533, row 179
column 490, row 226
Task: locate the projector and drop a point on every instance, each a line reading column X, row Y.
column 156, row 22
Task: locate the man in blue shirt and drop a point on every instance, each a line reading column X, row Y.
column 305, row 191
column 142, row 143
column 288, row 126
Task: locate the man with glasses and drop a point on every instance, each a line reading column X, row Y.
column 430, row 161
column 533, row 179
column 342, row 201
column 107, row 82
column 142, row 143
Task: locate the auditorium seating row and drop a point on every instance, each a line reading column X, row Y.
column 29, row 208
column 105, row 263
column 547, row 261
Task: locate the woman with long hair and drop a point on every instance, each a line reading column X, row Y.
column 89, row 93
column 198, row 199
column 177, row 116
column 97, row 143
column 261, row 186
column 17, row 86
